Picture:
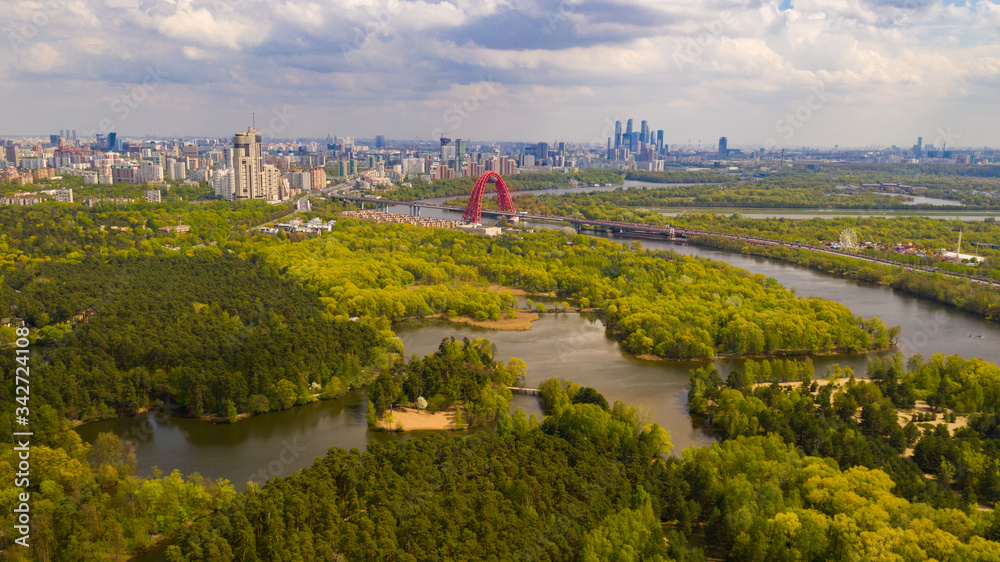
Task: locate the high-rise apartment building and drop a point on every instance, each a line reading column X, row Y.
column 459, row 156
column 176, row 170
column 253, row 178
column 10, row 153
column 224, row 183
column 541, row 152
column 248, row 163
column 150, row 172
column 317, row 177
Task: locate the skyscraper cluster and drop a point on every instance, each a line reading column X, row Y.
column 641, row 145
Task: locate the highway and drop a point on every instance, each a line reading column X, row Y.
column 678, row 233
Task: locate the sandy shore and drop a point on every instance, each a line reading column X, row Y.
column 821, row 382
column 410, row 419
column 519, row 323
column 512, row 290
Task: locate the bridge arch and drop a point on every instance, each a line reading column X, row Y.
column 474, row 208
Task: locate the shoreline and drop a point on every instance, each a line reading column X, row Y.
column 851, row 274
column 412, row 419
column 656, row 358
column 209, row 418
column 520, row 323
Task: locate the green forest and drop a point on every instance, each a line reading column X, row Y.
column 929, row 234
column 527, row 181
column 228, row 323
column 87, row 504
column 218, row 333
column 885, row 232
column 827, row 185
column 657, row 303
column 871, row 423
column 974, row 298
column 592, row 483
column 462, row 374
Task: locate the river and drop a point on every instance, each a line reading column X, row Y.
column 629, row 184
column 565, row 345
column 754, row 212
column 758, row 213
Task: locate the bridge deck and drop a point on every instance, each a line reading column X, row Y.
column 674, row 232
column 522, row 390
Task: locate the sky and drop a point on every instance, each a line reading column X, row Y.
column 853, row 73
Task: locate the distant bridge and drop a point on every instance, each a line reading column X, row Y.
column 668, row 232
column 522, row 390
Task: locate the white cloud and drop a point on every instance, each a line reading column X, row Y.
column 200, row 26
column 42, row 57
column 704, row 65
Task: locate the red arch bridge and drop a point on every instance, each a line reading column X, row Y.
column 474, row 208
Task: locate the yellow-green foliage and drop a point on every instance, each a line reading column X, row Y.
column 966, row 385
column 86, row 504
column 777, row 504
column 656, row 302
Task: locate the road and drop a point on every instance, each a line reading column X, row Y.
column 674, row 233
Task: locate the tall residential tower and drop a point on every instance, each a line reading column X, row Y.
column 252, row 178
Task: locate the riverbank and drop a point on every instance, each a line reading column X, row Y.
column 521, row 321
column 783, row 354
column 962, row 295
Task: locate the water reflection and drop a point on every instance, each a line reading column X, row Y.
column 564, row 345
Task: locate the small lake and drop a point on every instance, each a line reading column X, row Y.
column 566, row 345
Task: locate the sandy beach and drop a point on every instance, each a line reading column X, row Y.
column 411, row 419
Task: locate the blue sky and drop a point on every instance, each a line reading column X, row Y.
column 809, row 72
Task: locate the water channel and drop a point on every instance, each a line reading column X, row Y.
column 758, row 213
column 566, row 345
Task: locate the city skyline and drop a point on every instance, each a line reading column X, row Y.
column 813, row 73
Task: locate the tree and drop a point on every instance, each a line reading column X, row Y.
column 111, row 451
column 231, row 412
column 588, row 395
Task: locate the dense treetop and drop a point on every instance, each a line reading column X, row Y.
column 658, row 303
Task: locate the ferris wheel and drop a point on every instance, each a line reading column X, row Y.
column 849, row 239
